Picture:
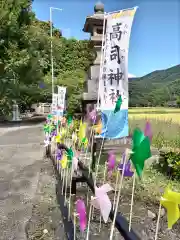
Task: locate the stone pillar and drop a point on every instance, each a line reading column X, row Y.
column 15, row 113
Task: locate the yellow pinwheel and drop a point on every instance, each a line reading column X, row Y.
column 98, row 128
column 82, row 131
column 58, row 138
column 171, row 201
column 64, row 161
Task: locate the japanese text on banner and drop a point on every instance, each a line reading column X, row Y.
column 114, row 79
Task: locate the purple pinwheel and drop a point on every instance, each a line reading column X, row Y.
column 81, row 211
column 127, row 167
column 111, row 162
column 93, row 115
column 148, row 131
column 54, row 133
column 59, row 154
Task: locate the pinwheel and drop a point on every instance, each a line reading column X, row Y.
column 70, row 155
column 64, row 161
column 111, row 162
column 148, row 131
column 69, row 120
column 84, row 142
column 81, row 211
column 46, row 142
column 50, row 116
column 54, row 133
column 46, row 128
column 127, row 165
column 141, row 150
column 101, row 200
column 92, row 115
column 171, row 201
column 82, row 131
column 98, row 127
column 59, row 154
column 59, row 138
column 127, row 169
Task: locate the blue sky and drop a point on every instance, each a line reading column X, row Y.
column 155, row 36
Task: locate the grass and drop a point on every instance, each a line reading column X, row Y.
column 165, row 124
column 166, row 134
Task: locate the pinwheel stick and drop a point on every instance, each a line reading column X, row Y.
column 69, row 209
column 132, row 200
column 63, row 181
column 104, row 178
column 75, row 215
column 89, row 220
column 66, row 183
column 99, row 157
column 118, row 198
column 90, row 162
column 157, row 224
column 116, row 185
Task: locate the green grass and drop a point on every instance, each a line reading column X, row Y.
column 165, row 134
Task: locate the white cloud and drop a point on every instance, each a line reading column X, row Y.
column 131, row 75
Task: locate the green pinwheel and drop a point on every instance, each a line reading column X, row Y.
column 69, row 120
column 70, row 155
column 50, row 116
column 141, row 150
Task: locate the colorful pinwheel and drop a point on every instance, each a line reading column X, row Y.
column 127, row 169
column 148, row 131
column 81, row 211
column 171, row 201
column 59, row 154
column 92, row 115
column 141, row 150
column 111, row 162
column 101, row 200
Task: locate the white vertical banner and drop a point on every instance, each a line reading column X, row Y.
column 114, row 79
column 54, row 102
column 61, row 99
column 114, row 73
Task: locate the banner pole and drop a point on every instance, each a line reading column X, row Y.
column 102, row 59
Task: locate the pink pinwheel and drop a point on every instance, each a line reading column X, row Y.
column 93, row 115
column 81, row 211
column 111, row 162
column 148, row 131
column 101, row 200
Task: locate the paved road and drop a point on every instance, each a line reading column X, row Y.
column 21, row 157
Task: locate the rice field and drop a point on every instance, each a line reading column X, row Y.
column 165, row 124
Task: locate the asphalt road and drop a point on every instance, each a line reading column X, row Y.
column 21, row 156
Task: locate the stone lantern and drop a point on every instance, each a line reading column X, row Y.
column 94, row 26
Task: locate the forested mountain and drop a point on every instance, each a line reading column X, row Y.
column 156, row 88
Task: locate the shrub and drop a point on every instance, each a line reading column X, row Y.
column 169, row 164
